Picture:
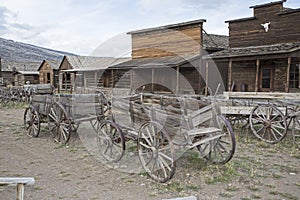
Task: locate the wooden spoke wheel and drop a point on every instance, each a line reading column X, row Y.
column 296, row 131
column 268, row 123
column 32, row 122
column 110, row 140
column 156, row 151
column 221, row 149
column 59, row 123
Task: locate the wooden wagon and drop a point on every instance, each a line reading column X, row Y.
column 270, row 115
column 160, row 124
column 62, row 113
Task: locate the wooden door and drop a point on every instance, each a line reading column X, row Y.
column 266, row 79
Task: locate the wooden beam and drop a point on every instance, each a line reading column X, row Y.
column 230, row 75
column 177, row 80
column 200, row 77
column 257, row 75
column 112, row 79
column 206, row 78
column 299, row 74
column 288, row 70
column 152, row 81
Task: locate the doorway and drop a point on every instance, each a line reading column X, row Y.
column 266, row 79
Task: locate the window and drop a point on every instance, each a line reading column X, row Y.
column 266, row 78
column 48, row 78
column 294, row 76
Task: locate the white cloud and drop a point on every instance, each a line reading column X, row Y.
column 80, row 26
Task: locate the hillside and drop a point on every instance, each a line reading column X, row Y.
column 11, row 51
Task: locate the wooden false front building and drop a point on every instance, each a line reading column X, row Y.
column 168, row 58
column 264, row 51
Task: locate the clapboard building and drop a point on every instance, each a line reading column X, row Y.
column 168, row 58
column 264, row 50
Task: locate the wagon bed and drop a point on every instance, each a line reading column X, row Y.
column 270, row 115
column 159, row 124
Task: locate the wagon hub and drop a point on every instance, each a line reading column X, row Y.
column 268, row 124
column 155, row 152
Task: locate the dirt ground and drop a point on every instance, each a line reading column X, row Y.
column 257, row 170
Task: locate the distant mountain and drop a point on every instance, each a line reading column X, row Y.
column 11, row 51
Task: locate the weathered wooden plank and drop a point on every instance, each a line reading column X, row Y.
column 261, row 95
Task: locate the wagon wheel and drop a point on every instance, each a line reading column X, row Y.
column 110, row 140
column 5, row 98
column 296, row 131
column 268, row 123
column 156, row 151
column 32, row 122
column 221, row 149
column 59, row 123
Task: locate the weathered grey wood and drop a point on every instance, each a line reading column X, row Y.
column 16, row 180
column 236, row 110
column 202, row 131
column 261, row 95
column 19, row 182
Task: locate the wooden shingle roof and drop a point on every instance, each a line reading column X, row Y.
column 157, row 62
column 20, row 66
column 215, row 42
column 89, row 63
column 256, row 51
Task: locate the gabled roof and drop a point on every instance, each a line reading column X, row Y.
column 53, row 63
column 215, row 42
column 89, row 63
column 256, row 51
column 157, row 62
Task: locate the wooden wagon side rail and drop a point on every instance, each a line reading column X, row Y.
column 19, row 182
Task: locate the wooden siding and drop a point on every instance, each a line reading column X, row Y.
column 284, row 28
column 167, row 42
column 244, row 73
column 43, row 74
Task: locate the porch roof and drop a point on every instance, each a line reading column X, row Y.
column 157, row 62
column 28, row 72
column 283, row 48
column 89, row 63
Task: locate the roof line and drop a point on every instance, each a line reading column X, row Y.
column 194, row 22
column 268, row 4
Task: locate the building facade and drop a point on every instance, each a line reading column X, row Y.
column 264, row 50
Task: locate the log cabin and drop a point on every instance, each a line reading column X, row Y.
column 264, row 51
column 168, row 58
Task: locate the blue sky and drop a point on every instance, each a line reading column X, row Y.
column 80, row 26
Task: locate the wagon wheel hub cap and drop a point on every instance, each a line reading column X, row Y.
column 155, row 152
column 268, row 124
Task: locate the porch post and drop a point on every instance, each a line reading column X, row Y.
column 152, row 81
column 206, row 78
column 288, row 69
column 112, row 79
column 177, row 80
column 230, row 75
column 299, row 75
column 257, row 75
